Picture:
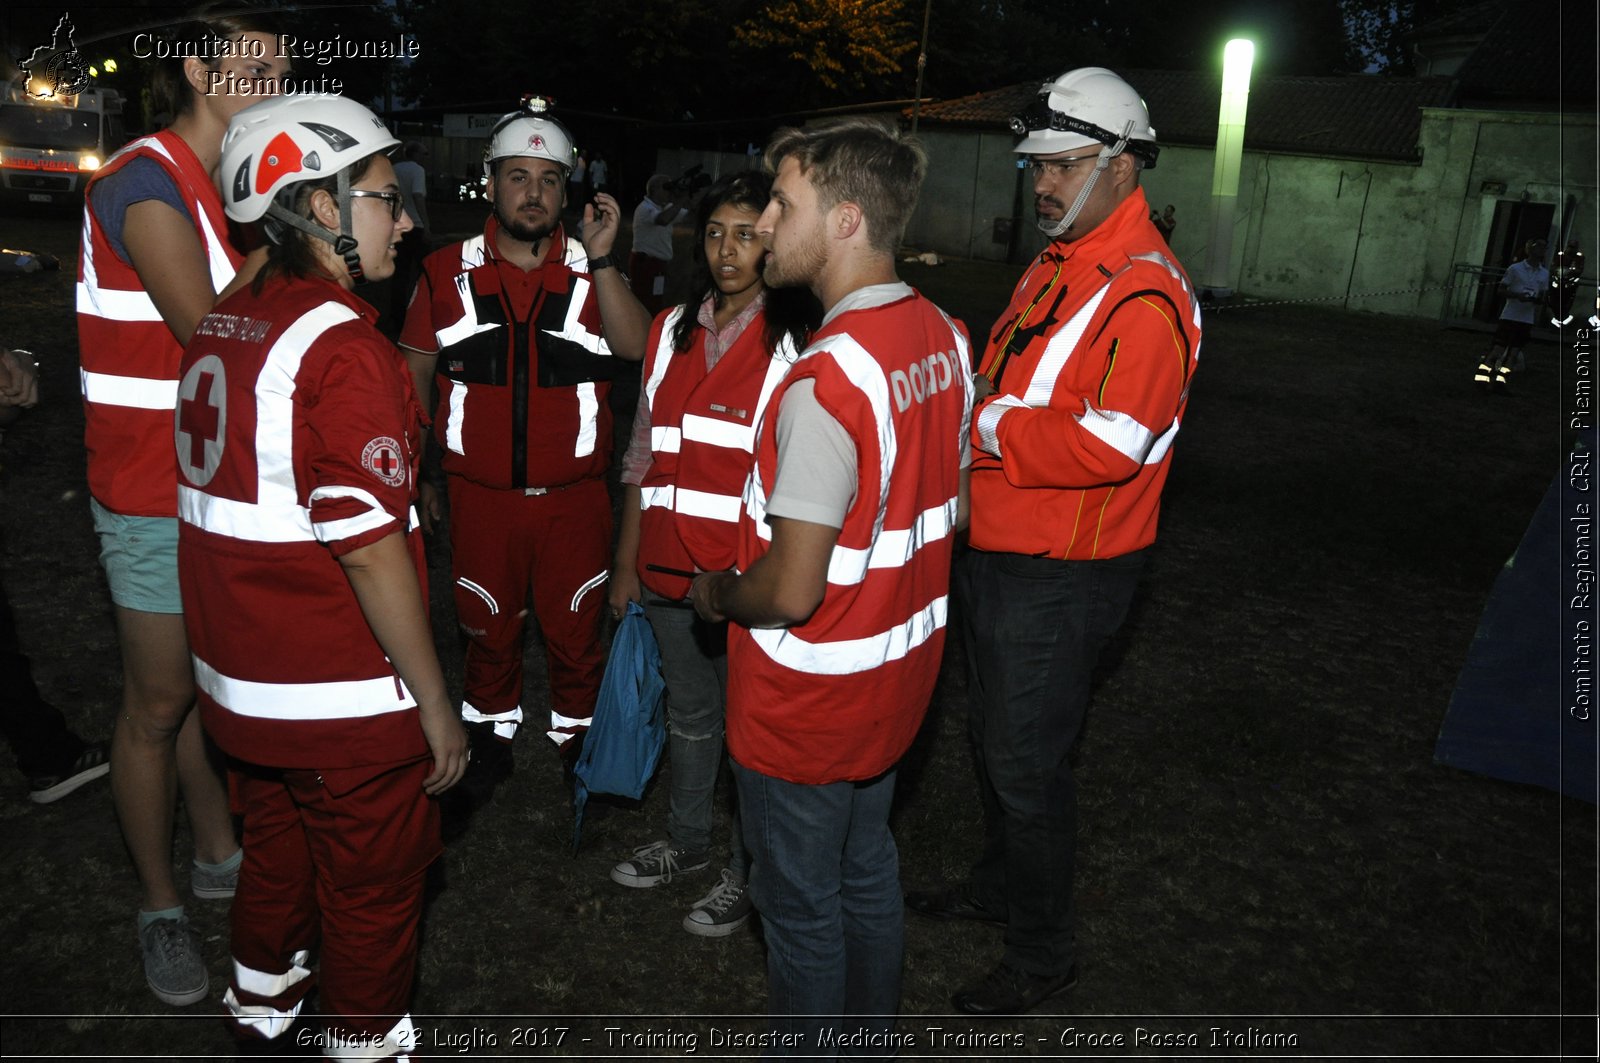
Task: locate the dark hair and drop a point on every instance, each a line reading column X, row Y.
column 292, row 252
column 199, row 35
column 792, row 312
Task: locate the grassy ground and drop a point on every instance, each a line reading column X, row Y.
column 1267, row 846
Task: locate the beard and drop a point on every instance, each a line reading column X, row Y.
column 800, row 263
column 527, row 232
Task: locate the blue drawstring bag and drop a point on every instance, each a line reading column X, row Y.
column 624, row 742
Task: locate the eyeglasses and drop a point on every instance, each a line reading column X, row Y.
column 397, row 202
column 1056, row 168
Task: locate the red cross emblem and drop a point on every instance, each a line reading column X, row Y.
column 382, row 459
column 202, row 417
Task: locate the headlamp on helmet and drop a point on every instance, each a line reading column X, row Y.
column 1040, row 115
column 530, row 132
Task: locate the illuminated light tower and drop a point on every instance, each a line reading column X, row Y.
column 1237, row 58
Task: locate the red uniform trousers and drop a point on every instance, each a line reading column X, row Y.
column 556, row 545
column 341, row 854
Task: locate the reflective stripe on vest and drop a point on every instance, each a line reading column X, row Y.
column 891, row 548
column 474, row 254
column 665, row 440
column 455, row 417
column 588, row 420
column 656, row 496
column 137, row 392
column 850, row 656
column 347, row 699
column 698, row 429
column 1120, row 431
column 117, row 304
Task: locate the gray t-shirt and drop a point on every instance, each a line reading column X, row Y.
column 816, row 477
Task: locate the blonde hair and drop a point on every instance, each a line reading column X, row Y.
column 862, row 162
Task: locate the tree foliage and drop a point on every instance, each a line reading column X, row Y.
column 669, row 60
column 830, row 47
column 1380, row 31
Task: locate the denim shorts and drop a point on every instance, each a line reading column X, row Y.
column 140, row 556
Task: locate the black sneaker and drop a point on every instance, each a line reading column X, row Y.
column 656, row 863
column 722, row 911
column 89, row 765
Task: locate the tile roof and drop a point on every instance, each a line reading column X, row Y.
column 1360, row 116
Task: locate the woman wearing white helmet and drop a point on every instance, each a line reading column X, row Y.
column 298, row 435
column 155, row 253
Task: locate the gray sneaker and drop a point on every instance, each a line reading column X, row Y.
column 656, row 863
column 213, row 885
column 172, row 964
column 722, row 911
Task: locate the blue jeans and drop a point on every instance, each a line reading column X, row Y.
column 694, row 664
column 1033, row 629
column 825, row 877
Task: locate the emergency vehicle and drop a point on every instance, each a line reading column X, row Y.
column 50, row 148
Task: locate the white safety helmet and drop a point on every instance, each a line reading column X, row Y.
column 1083, row 107
column 278, row 143
column 531, row 133
column 286, row 140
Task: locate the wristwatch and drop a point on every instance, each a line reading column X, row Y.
column 603, row 262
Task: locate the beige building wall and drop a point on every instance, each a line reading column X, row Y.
column 1375, row 236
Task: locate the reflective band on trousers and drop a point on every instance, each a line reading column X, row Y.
column 398, row 1043
column 336, row 700
column 505, row 723
column 266, row 1020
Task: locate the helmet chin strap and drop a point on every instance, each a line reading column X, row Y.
column 1055, row 229
column 344, row 244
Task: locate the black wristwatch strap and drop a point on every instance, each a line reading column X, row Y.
column 603, row 262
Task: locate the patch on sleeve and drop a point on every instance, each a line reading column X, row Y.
column 382, row 458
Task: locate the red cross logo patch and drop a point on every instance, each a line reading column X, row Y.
column 202, row 419
column 382, row 459
column 536, row 141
